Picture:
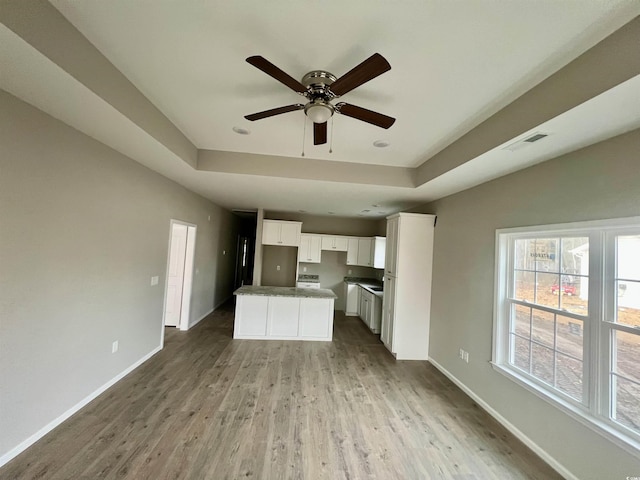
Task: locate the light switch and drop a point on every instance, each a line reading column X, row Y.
column 278, row 267
column 154, row 280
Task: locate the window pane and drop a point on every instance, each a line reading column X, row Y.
column 627, row 404
column 569, row 336
column 575, row 294
column 575, row 256
column 627, row 355
column 545, row 293
column 569, row 376
column 543, row 328
column 520, row 351
column 524, row 286
column 525, row 254
column 628, row 253
column 542, row 363
column 545, row 254
column 521, row 323
column 628, row 301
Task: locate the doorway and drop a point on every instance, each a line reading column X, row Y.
column 182, row 242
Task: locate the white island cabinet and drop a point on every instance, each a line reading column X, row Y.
column 284, row 313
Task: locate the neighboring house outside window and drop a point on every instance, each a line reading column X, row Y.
column 567, row 319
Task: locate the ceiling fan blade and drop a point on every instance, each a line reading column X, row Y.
column 270, row 69
column 365, row 115
column 319, row 133
column 373, row 66
column 274, row 111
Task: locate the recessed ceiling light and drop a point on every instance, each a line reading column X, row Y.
column 375, row 205
column 381, row 143
column 302, row 211
column 331, row 213
column 241, row 131
column 365, row 211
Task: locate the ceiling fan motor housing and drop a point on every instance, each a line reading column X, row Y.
column 319, row 108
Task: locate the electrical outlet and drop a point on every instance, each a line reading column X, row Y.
column 466, row 357
column 461, row 354
column 114, row 347
column 224, row 252
column 349, row 272
column 304, row 269
column 154, row 280
column 278, row 267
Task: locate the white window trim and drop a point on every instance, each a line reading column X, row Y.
column 594, row 375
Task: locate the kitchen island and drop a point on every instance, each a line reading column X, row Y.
column 284, row 313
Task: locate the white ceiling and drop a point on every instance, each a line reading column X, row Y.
column 454, row 64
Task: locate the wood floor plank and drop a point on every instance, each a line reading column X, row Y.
column 208, row 406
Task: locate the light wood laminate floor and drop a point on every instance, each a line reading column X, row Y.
column 209, row 407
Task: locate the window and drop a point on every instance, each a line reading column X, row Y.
column 567, row 323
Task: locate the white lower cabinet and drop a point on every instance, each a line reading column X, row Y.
column 253, row 311
column 351, row 295
column 262, row 317
column 316, row 319
column 282, row 316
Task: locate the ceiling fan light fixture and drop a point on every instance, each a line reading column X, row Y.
column 319, row 111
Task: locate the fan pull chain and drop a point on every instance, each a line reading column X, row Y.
column 304, row 133
column 331, row 139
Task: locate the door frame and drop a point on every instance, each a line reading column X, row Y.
column 187, row 280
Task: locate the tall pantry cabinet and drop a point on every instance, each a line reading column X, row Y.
column 406, row 304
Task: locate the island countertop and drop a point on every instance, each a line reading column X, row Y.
column 265, row 291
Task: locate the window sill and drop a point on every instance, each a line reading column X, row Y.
column 628, row 443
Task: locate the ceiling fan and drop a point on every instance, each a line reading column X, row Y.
column 320, row 88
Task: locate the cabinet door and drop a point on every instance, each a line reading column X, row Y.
column 364, row 252
column 388, row 312
column 352, row 299
column 391, row 254
column 376, row 314
column 352, row 251
column 314, row 248
column 271, row 233
column 290, row 234
column 379, row 245
column 304, row 250
column 282, row 316
column 341, row 244
column 251, row 316
column 316, row 318
column 327, row 242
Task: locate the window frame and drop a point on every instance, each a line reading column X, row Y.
column 596, row 409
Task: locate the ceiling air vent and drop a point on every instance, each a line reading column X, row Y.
column 535, row 137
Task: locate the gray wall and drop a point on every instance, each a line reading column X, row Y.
column 83, row 229
column 601, row 181
column 286, row 258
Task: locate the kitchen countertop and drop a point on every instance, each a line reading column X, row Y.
column 366, row 283
column 265, row 291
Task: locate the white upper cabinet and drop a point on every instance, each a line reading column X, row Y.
column 309, row 251
column 364, row 252
column 378, row 253
column 282, row 233
column 352, row 251
column 335, row 242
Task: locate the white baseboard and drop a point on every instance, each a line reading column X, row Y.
column 210, row 311
column 14, row 452
column 551, row 461
column 191, row 325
